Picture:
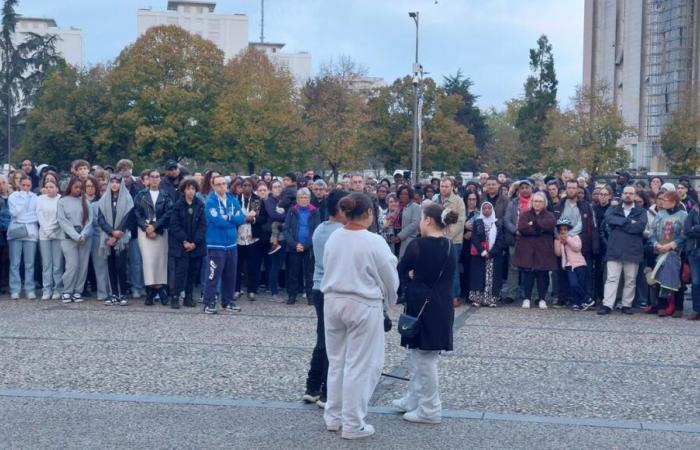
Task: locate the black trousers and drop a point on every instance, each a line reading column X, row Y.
column 529, row 278
column 299, row 263
column 116, row 264
column 187, row 272
column 4, row 267
column 249, row 261
column 318, row 370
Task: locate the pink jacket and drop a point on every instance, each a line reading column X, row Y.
column 572, row 252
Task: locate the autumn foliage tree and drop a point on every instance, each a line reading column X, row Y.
column 257, row 120
column 163, row 89
column 680, row 140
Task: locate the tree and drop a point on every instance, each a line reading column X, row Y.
column 258, row 116
column 468, row 114
column 163, row 89
column 24, row 66
column 334, row 119
column 503, row 147
column 540, row 98
column 588, row 135
column 447, row 144
column 680, row 139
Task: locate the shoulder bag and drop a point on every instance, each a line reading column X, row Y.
column 409, row 326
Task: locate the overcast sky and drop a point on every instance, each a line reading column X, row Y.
column 487, row 39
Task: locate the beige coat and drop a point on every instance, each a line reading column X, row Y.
column 455, row 232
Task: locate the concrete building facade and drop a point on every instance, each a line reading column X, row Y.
column 646, row 52
column 228, row 31
column 70, row 44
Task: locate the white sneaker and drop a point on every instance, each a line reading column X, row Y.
column 14, row 296
column 31, row 296
column 367, row 430
column 399, row 404
column 66, row 298
column 333, row 427
column 56, row 296
column 526, row 304
column 413, row 416
column 46, row 296
column 542, row 304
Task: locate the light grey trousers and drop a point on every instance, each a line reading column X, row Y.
column 423, row 396
column 77, row 258
column 99, row 264
column 51, row 266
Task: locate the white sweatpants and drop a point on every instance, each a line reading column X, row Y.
column 355, row 348
column 422, row 395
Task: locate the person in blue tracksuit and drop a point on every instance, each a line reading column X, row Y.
column 224, row 215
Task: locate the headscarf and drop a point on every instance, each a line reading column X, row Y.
column 489, row 224
column 124, row 206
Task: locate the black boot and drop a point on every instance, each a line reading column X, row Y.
column 174, row 302
column 163, row 294
column 188, row 302
column 150, row 293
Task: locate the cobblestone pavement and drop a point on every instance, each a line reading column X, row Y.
column 83, row 375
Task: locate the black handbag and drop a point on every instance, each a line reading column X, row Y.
column 409, row 326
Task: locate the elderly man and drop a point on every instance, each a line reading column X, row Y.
column 454, row 232
column 319, row 193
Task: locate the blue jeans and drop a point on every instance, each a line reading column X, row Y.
column 577, row 279
column 695, row 276
column 273, row 264
column 135, row 267
column 19, row 248
column 456, row 288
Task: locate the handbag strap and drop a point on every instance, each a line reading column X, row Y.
column 442, row 270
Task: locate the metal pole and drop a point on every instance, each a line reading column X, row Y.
column 9, row 125
column 414, row 153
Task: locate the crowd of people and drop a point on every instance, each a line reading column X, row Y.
column 358, row 247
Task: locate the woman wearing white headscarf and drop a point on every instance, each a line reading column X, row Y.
column 485, row 250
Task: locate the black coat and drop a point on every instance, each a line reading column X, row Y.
column 145, row 210
column 428, row 257
column 167, row 185
column 291, row 227
column 625, row 234
column 182, row 214
column 691, row 228
column 258, row 227
column 477, row 264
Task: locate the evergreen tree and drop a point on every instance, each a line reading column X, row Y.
column 468, row 114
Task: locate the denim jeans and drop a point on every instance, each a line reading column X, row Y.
column 577, row 278
column 135, row 267
column 273, row 264
column 695, row 276
column 51, row 266
column 19, row 248
column 456, row 288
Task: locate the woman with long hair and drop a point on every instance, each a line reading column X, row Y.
column 98, row 272
column 75, row 220
column 429, row 264
column 114, row 214
column 359, row 274
column 22, row 235
column 50, row 239
column 274, row 257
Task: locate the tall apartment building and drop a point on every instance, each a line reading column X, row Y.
column 70, row 44
column 647, row 53
column 228, row 31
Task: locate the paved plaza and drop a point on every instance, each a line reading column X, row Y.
column 88, row 376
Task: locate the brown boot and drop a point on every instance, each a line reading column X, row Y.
column 694, row 316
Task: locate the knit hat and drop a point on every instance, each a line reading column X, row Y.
column 668, row 187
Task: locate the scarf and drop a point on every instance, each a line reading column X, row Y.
column 524, row 203
column 124, row 206
column 489, row 224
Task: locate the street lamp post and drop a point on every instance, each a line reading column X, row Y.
column 417, row 74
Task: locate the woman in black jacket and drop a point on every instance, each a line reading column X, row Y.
column 252, row 245
column 486, row 253
column 429, row 264
column 187, row 242
column 152, row 211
